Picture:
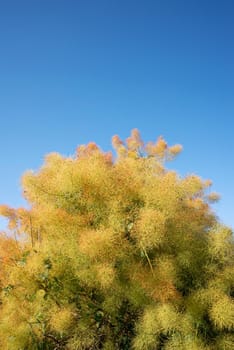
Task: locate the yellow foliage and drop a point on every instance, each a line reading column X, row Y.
column 185, row 343
column 116, row 253
column 225, row 342
column 105, row 275
column 167, row 318
column 213, row 197
column 98, row 244
column 62, row 319
column 150, row 229
column 222, row 313
column 221, row 240
column 176, row 149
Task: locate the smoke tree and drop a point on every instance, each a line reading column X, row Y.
column 116, row 252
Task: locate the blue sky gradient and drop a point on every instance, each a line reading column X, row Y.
column 74, row 71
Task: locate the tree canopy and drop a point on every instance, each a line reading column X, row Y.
column 115, row 251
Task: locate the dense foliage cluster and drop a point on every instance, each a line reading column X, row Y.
column 116, row 253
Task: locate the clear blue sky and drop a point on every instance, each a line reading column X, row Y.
column 74, row 71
